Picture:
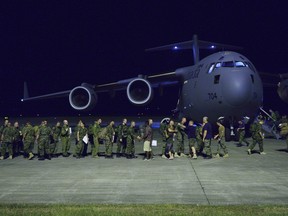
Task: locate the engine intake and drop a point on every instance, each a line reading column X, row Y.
column 83, row 97
column 139, row 91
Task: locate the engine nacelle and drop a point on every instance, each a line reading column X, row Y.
column 83, row 97
column 139, row 91
column 283, row 90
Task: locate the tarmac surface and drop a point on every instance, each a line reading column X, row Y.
column 239, row 179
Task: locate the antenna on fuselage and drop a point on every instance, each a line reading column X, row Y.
column 195, row 45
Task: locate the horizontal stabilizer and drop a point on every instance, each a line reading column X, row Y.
column 189, row 45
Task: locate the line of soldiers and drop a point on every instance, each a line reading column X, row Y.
column 13, row 140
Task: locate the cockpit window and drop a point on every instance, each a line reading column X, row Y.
column 218, row 65
column 211, row 68
column 240, row 64
column 228, row 64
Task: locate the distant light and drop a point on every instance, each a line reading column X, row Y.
column 22, row 100
column 213, row 47
column 175, row 47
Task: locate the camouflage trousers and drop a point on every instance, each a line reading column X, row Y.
column 95, row 147
column 180, row 146
column 130, row 147
column 79, row 148
column 54, row 147
column 242, row 137
column 108, row 147
column 254, row 142
column 28, row 146
column 207, row 147
column 44, row 147
column 6, row 146
column 65, row 145
column 122, row 145
column 192, row 143
column 222, row 145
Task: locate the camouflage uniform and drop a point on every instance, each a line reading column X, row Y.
column 180, row 139
column 95, row 131
column 44, row 134
column 7, row 140
column 109, row 141
column 284, row 131
column 17, row 143
column 241, row 131
column 131, row 136
column 200, row 144
column 163, row 132
column 122, row 134
column 80, row 145
column 56, row 132
column 28, row 139
column 65, row 140
column 221, row 141
column 256, row 137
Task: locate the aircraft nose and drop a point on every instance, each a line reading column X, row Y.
column 237, row 88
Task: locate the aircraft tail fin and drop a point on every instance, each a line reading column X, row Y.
column 25, row 92
column 195, row 45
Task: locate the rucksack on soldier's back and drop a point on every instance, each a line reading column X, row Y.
column 103, row 133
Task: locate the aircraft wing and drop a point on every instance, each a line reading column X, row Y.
column 139, row 90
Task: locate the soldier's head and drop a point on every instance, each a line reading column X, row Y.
column 205, row 119
column 28, row 123
column 124, row 121
column 111, row 123
column 133, row 123
column 183, row 120
column 99, row 121
column 58, row 124
column 16, row 124
column 191, row 122
column 261, row 121
column 171, row 123
column 8, row 124
column 150, row 121
column 65, row 122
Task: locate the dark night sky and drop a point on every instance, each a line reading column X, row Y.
column 56, row 45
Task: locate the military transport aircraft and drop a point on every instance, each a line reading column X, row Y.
column 222, row 84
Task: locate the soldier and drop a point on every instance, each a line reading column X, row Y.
column 43, row 139
column 81, row 133
column 284, row 129
column 221, row 142
column 122, row 138
column 200, row 144
column 28, row 140
column 241, row 131
column 65, row 138
column 191, row 133
column 180, row 138
column 206, row 137
column 171, row 133
column 95, row 131
column 17, row 143
column 56, row 132
column 163, row 132
column 131, row 136
column 7, row 138
column 3, row 127
column 257, row 136
column 108, row 135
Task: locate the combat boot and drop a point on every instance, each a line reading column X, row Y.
column 226, row 156
column 49, row 157
column 263, row 153
column 194, row 156
column 1, row 158
column 217, row 156
column 41, row 158
column 249, row 151
column 164, row 157
column 176, row 155
column 31, row 155
column 182, row 155
column 10, row 157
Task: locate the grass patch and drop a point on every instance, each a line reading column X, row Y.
column 145, row 209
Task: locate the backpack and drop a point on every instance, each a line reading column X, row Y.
column 103, row 132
